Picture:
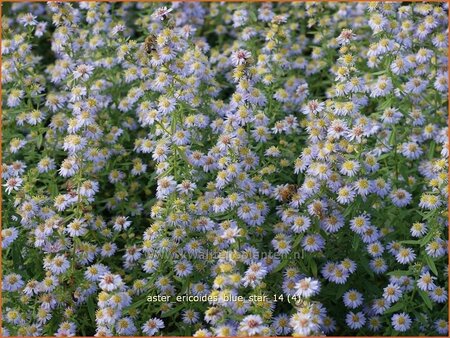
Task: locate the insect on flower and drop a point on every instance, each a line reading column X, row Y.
column 162, row 13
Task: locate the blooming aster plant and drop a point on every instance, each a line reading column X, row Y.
column 281, row 168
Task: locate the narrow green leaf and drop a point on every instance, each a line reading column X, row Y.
column 392, row 138
column 173, row 311
column 410, row 242
column 340, row 290
column 396, row 307
column 313, row 266
column 431, row 151
column 91, row 308
column 297, row 241
column 355, row 242
column 426, row 299
column 281, row 265
column 431, row 264
column 399, row 273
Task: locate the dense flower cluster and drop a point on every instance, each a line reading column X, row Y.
column 286, row 164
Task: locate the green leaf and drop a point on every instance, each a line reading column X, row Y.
column 39, row 141
column 313, row 266
column 421, row 317
column 394, row 308
column 297, row 241
column 427, row 239
column 253, row 16
column 399, row 273
column 431, row 151
column 91, row 308
column 382, row 157
column 426, row 299
column 404, row 171
column 355, row 242
column 137, row 304
column 347, row 211
column 53, row 187
column 340, row 290
column 431, row 264
column 392, row 138
column 173, row 311
column 281, row 265
column 410, row 242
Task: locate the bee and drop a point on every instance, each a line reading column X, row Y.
column 70, row 186
column 150, row 44
column 300, row 303
column 318, row 210
column 287, row 192
column 73, row 194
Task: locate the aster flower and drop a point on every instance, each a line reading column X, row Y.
column 392, row 293
column 439, row 295
column 240, row 57
column 76, row 228
column 405, row 256
column 350, row 168
column 28, row 20
column 252, row 325
column 12, row 282
column 13, row 184
column 400, row 197
column 110, row 282
column 355, row 320
column 162, row 13
column 425, row 282
column 401, row 322
column 307, row 287
column 83, row 72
